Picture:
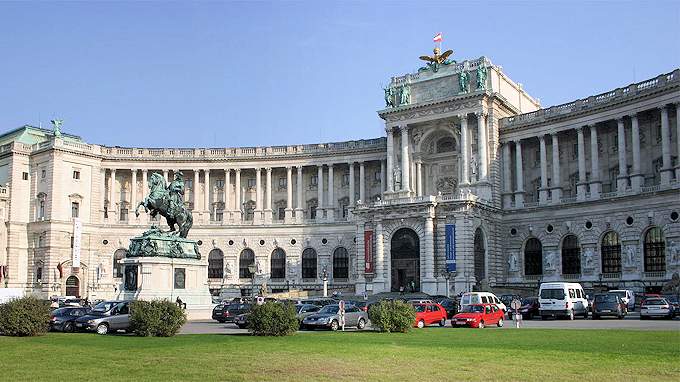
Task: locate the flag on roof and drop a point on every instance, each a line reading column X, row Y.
column 438, row 37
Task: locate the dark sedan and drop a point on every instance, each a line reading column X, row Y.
column 528, row 310
column 218, row 311
column 450, row 305
column 608, row 305
column 63, row 319
column 233, row 310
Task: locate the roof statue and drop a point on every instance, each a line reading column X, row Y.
column 57, row 127
column 437, row 59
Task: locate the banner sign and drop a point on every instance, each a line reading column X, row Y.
column 450, row 245
column 77, row 233
column 368, row 251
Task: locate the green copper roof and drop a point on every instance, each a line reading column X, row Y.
column 31, row 135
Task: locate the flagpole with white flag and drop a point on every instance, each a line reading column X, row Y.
column 438, row 39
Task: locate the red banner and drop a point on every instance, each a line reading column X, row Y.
column 368, row 251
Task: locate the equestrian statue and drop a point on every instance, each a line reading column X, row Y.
column 169, row 202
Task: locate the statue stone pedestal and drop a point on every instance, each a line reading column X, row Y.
column 149, row 278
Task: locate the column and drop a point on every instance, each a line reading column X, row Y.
column 268, row 198
column 482, row 144
column 419, row 177
column 362, row 183
column 383, row 184
column 257, row 217
column 102, row 192
column 351, row 184
column 667, row 167
column 360, row 263
column 622, row 180
column 637, row 179
column 113, row 197
column 556, row 187
column 507, row 176
column 582, row 185
column 405, row 170
column 319, row 195
column 390, row 159
column 464, row 150
column 519, row 193
column 379, row 261
column 194, row 189
column 595, row 183
column 166, row 176
column 677, row 127
column 428, row 284
column 543, row 192
column 238, row 205
column 206, row 195
column 289, row 195
column 330, row 204
column 299, row 210
column 133, row 192
column 227, row 191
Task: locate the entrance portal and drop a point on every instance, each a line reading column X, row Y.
column 405, row 260
column 73, row 286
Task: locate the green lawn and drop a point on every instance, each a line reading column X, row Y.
column 431, row 354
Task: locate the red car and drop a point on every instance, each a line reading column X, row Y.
column 429, row 313
column 478, row 316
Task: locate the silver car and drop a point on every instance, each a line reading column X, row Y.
column 656, row 307
column 105, row 317
column 329, row 317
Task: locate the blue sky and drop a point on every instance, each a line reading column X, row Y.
column 223, row 74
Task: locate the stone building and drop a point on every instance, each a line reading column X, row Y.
column 474, row 185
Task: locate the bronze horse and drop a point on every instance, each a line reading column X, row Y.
column 161, row 201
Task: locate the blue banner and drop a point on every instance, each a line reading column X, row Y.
column 450, row 246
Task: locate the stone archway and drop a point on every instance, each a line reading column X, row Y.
column 73, row 286
column 405, row 260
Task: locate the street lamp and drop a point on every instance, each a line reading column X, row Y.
column 324, row 277
column 252, row 268
column 447, row 276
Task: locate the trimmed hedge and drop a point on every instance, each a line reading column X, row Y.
column 157, row 318
column 273, row 319
column 392, row 316
column 25, row 316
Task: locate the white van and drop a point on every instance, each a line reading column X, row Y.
column 627, row 296
column 471, row 298
column 562, row 299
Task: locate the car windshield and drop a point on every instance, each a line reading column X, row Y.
column 473, row 309
column 104, row 306
column 553, row 294
column 621, row 293
column 59, row 311
column 329, row 309
column 601, row 298
column 655, row 301
column 528, row 301
column 419, row 308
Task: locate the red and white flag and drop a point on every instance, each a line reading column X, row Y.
column 438, row 37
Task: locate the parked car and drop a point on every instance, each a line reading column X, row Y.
column 529, row 309
column 329, row 317
column 450, row 305
column 105, row 317
column 63, row 319
column 674, row 300
column 428, row 314
column 218, row 311
column 506, row 299
column 656, row 307
column 609, row 304
column 627, row 296
column 478, row 316
column 474, row 298
column 304, row 310
column 232, row 310
column 242, row 320
column 561, row 299
column 641, row 297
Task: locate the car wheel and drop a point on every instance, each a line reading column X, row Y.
column 334, row 325
column 596, row 317
column 421, row 324
column 481, row 325
column 68, row 327
column 102, row 329
column 361, row 324
column 571, row 315
column 442, row 322
column 543, row 318
column 500, row 323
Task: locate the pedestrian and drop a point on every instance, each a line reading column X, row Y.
column 180, row 303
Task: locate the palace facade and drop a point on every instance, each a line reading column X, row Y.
column 473, row 186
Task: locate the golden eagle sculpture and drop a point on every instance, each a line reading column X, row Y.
column 437, row 59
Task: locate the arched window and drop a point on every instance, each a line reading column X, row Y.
column 479, row 253
column 73, row 286
column 216, row 264
column 611, row 253
column 655, row 251
column 533, row 257
column 117, row 265
column 245, row 260
column 571, row 256
column 309, row 264
column 446, row 144
column 278, row 264
column 340, row 263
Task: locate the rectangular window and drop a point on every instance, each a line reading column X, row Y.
column 71, row 241
column 281, row 213
column 345, row 179
column 219, row 216
column 283, row 183
column 41, row 209
column 314, row 180
column 376, row 176
column 123, row 214
column 43, row 174
column 251, row 183
column 24, row 176
column 189, row 184
column 344, row 211
column 38, row 274
column 312, row 212
column 76, row 174
column 180, row 278
column 75, row 209
column 219, row 184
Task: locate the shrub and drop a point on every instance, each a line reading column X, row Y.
column 392, row 316
column 25, row 316
column 159, row 318
column 273, row 319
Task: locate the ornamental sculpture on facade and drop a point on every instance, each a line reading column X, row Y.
column 438, row 59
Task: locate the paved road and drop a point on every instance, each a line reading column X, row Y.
column 632, row 321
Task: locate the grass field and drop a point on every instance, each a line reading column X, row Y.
column 424, row 355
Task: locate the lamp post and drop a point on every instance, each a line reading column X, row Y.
column 324, row 277
column 252, row 269
column 447, row 276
